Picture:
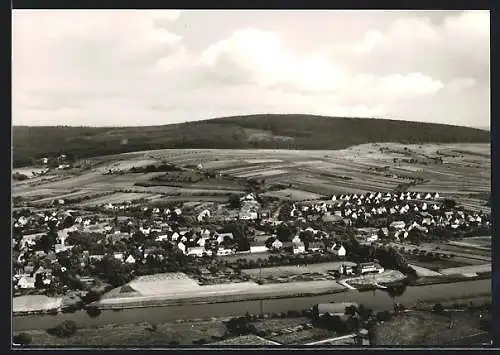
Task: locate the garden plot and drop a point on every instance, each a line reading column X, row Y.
column 479, row 241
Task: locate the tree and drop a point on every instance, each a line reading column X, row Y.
column 449, row 203
column 396, row 290
column 284, row 233
column 243, row 244
column 39, row 281
column 234, row 201
column 22, row 339
column 269, row 242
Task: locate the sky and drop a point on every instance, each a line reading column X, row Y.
column 155, row 67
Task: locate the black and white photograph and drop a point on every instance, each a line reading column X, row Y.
column 251, row 178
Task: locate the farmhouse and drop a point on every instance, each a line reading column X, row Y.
column 333, row 309
column 370, row 268
column 277, row 244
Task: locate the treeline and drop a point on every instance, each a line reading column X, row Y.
column 281, row 132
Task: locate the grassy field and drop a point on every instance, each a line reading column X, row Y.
column 465, row 270
column 425, row 328
column 283, row 271
column 139, row 334
column 35, row 303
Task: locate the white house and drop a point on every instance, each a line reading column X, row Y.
column 339, row 250
column 178, row 211
column 26, row 282
column 296, row 240
column 277, row 244
column 175, row 236
column 398, row 224
column 182, row 247
column 130, row 260
column 197, row 251
column 299, row 248
column 258, row 249
column 118, row 256
column 203, row 215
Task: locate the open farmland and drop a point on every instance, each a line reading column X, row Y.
column 363, row 168
column 116, row 198
column 292, row 195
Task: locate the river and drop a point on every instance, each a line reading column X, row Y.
column 377, row 300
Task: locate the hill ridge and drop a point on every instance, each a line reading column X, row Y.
column 256, row 131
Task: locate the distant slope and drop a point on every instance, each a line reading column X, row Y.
column 239, row 132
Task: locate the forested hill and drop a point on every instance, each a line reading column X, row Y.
column 239, row 132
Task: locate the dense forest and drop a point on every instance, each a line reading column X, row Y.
column 239, row 132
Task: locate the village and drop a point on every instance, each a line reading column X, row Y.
column 76, row 255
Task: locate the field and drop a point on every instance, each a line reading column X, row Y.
column 116, row 198
column 299, row 174
column 292, row 194
column 177, row 287
column 138, row 334
column 467, row 270
column 35, row 303
column 426, row 328
column 422, row 272
column 284, row 271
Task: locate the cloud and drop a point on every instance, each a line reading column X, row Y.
column 132, row 68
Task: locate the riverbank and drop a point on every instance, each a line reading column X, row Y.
column 206, row 300
column 377, row 300
column 445, row 279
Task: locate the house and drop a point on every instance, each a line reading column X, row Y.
column 96, row 257
column 258, row 249
column 118, row 256
column 224, row 252
column 372, row 238
column 296, row 240
column 277, row 244
column 197, row 251
column 299, row 248
column 339, row 250
column 130, row 260
column 182, row 247
column 333, row 309
column 26, row 282
column 398, row 224
column 204, row 215
column 370, row 268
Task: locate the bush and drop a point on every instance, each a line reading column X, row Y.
column 22, row 339
column 63, row 330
